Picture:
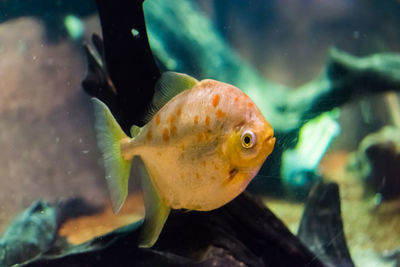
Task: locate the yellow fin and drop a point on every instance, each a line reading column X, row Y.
column 169, row 85
column 156, row 210
column 109, row 135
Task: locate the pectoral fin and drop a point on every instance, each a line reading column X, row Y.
column 156, row 210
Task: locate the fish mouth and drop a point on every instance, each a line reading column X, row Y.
column 270, row 140
column 269, row 144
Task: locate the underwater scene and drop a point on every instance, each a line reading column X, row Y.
column 199, row 133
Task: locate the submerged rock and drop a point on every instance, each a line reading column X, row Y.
column 35, row 230
column 30, row 234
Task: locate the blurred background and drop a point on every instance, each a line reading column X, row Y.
column 47, row 142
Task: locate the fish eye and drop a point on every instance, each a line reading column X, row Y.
column 248, row 139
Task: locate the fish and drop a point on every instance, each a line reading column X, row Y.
column 201, row 145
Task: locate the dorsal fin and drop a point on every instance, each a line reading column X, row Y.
column 169, row 85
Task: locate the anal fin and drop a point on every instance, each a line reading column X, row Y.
column 156, row 210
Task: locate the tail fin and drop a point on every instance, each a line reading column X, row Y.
column 109, row 136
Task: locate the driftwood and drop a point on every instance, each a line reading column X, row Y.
column 242, row 233
column 123, row 73
column 321, row 226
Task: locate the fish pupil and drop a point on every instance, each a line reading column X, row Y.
column 247, row 140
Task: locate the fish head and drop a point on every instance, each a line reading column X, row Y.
column 247, row 145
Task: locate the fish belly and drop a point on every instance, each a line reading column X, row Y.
column 195, row 184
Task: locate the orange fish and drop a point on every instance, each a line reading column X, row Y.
column 203, row 143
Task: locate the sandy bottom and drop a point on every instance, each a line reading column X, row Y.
column 87, row 227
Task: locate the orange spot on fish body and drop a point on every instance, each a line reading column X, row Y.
column 165, row 134
column 236, row 99
column 196, row 119
column 207, row 120
column 250, row 104
column 178, row 112
column 158, row 119
column 171, row 119
column 148, row 135
column 220, row 113
column 172, row 126
column 215, row 100
column 197, row 175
